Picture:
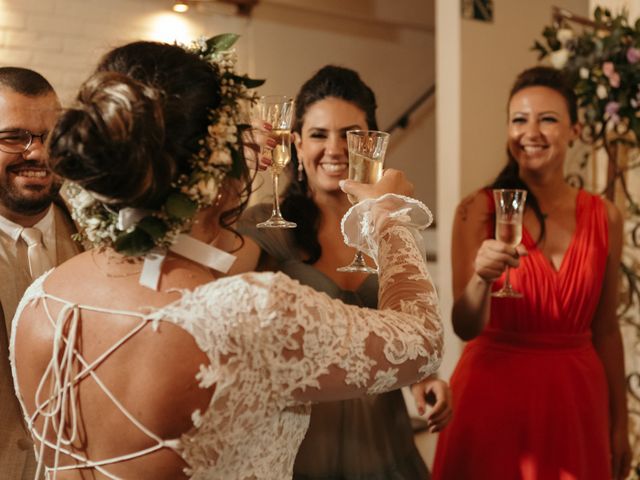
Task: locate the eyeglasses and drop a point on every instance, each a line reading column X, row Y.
column 19, row 141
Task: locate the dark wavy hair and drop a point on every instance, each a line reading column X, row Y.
column 137, row 122
column 509, row 176
column 329, row 82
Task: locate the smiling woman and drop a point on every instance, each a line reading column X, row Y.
column 364, row 438
column 553, row 359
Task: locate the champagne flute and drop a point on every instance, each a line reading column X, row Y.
column 277, row 110
column 509, row 210
column 367, row 149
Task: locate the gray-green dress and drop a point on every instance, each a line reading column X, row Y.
column 366, row 438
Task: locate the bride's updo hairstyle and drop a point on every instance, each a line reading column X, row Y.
column 137, row 122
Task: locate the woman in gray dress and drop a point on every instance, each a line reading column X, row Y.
column 366, row 438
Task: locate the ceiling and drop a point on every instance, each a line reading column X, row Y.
column 419, row 14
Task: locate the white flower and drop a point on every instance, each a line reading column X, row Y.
column 559, row 58
column 83, row 199
column 208, row 189
column 602, row 92
column 220, row 157
column 564, row 35
column 93, row 222
column 584, row 73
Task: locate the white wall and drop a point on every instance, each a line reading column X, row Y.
column 284, row 41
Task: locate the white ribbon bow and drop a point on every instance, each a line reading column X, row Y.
column 185, row 245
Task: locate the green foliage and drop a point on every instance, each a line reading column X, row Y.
column 154, row 227
column 222, row 42
column 248, row 82
column 134, row 244
column 603, row 63
column 179, row 206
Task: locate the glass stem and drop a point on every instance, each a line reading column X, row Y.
column 359, row 259
column 276, row 194
column 507, row 282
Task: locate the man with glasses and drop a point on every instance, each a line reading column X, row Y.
column 35, row 233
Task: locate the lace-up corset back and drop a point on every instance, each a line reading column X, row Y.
column 269, row 348
column 83, row 377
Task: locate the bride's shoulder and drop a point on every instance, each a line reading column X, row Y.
column 251, row 282
column 235, row 298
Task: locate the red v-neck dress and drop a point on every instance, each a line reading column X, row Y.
column 530, row 394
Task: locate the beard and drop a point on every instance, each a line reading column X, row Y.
column 39, row 199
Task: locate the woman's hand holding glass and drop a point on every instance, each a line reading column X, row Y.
column 392, row 181
column 276, row 112
column 367, row 149
column 509, row 205
column 496, row 256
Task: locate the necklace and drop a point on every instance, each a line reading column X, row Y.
column 113, row 260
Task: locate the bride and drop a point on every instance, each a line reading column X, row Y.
column 138, row 358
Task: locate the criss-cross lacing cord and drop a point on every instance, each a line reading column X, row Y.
column 60, row 408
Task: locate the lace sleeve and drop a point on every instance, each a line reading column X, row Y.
column 266, row 332
column 320, row 349
column 275, row 345
column 360, row 350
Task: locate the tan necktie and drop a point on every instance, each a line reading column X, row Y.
column 38, row 259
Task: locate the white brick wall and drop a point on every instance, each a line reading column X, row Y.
column 63, row 39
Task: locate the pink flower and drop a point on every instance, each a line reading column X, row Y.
column 614, row 80
column 611, row 111
column 608, row 69
column 633, row 55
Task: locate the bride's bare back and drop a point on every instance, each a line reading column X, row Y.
column 161, row 362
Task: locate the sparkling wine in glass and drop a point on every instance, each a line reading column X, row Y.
column 277, row 110
column 509, row 210
column 367, row 149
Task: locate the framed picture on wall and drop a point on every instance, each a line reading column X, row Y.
column 477, row 10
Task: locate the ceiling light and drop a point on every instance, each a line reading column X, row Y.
column 180, row 7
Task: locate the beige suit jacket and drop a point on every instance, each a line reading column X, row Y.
column 17, row 460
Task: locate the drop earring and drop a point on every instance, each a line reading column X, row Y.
column 300, row 170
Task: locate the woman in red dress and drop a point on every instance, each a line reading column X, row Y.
column 539, row 389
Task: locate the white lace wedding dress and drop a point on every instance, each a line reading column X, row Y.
column 273, row 345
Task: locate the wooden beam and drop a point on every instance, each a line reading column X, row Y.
column 558, row 14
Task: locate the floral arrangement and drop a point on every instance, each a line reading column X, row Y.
column 604, row 64
column 137, row 232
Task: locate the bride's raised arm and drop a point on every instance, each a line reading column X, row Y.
column 305, row 346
